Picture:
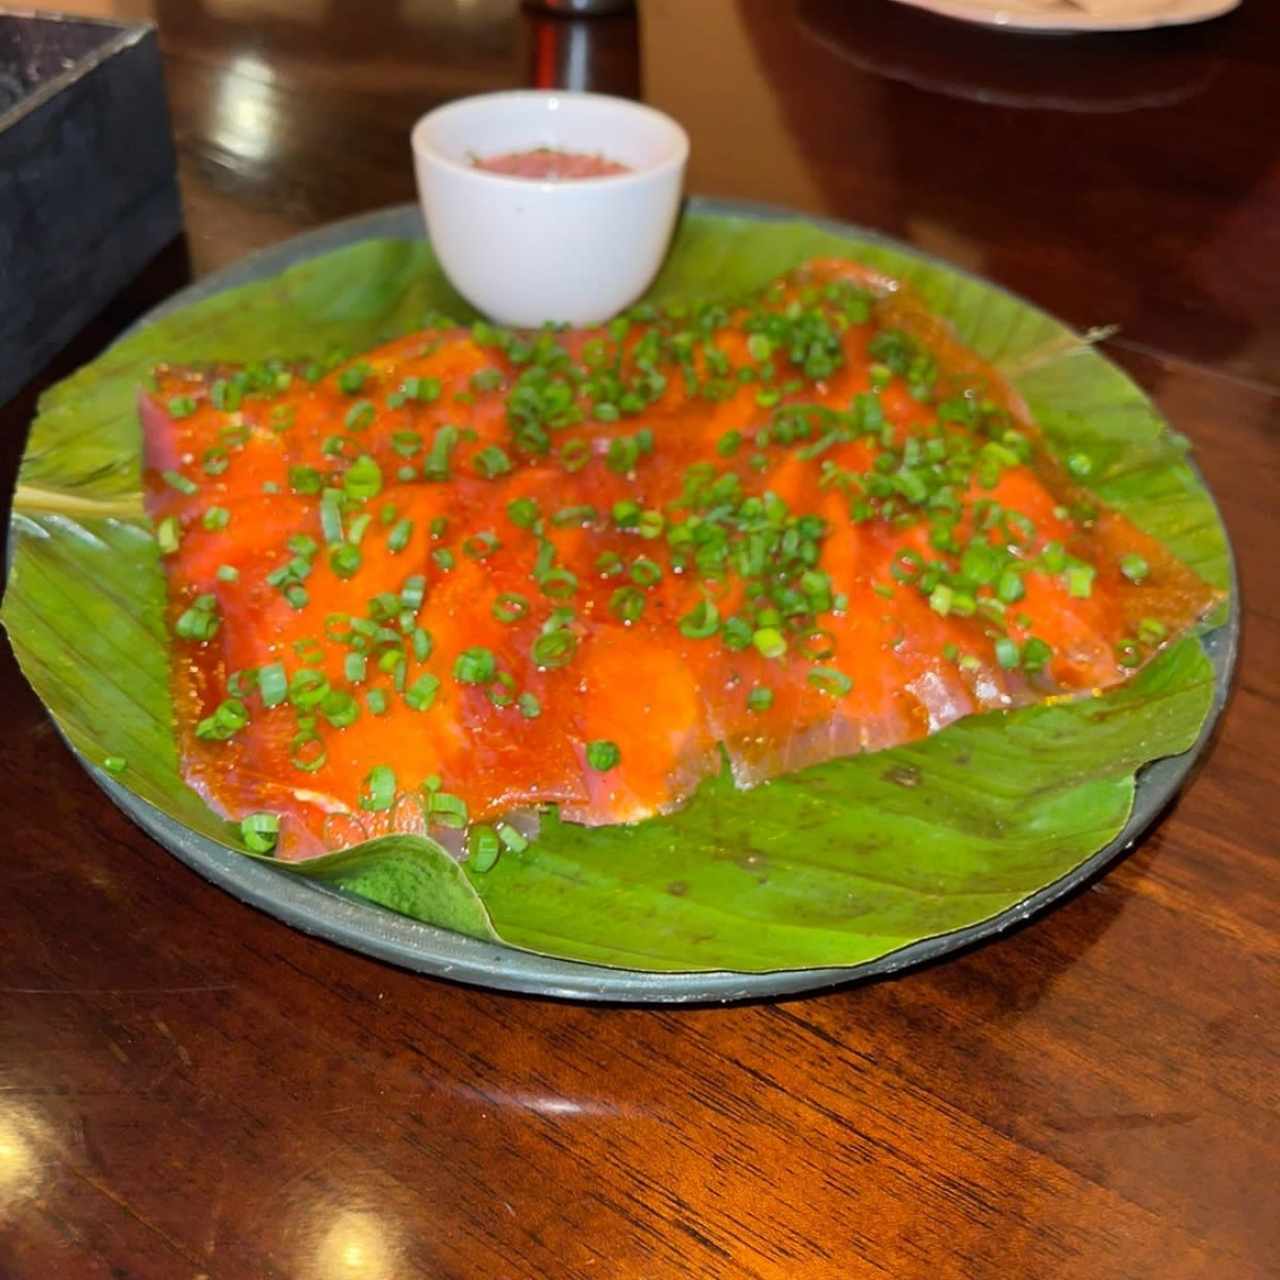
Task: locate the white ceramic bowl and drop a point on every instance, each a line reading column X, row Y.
column 525, row 251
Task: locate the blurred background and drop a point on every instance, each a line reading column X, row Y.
column 981, row 146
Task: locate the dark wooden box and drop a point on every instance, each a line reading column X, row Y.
column 88, row 187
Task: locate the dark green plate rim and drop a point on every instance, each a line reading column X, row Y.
column 361, row 926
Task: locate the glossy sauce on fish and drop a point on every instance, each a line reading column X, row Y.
column 472, row 573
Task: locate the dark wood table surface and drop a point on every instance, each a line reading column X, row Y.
column 190, row 1089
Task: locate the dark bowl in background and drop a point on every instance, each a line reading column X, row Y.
column 88, row 184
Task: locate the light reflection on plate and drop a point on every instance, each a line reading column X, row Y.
column 1064, row 17
column 1088, row 77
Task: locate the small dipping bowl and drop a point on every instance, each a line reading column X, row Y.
column 527, row 250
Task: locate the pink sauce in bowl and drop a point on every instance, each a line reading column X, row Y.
column 548, row 164
column 526, row 200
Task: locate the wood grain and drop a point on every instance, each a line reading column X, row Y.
column 189, row 1089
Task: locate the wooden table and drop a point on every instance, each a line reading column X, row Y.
column 188, row 1088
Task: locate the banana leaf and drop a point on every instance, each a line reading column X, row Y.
column 836, row 865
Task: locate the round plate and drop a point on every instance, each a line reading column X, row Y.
column 362, row 926
column 1064, row 18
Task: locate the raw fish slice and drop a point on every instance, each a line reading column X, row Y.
column 471, row 560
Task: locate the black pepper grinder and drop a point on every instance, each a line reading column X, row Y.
column 584, row 45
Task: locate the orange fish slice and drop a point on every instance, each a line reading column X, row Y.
column 473, row 573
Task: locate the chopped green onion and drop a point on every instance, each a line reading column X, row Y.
column 260, row 832
column 392, row 663
column 357, row 528
column 362, row 479
column 626, row 514
column 376, row 701
column 228, row 573
column 480, row 546
column 603, row 755
column 1035, row 654
column 627, row 603
column 350, row 381
column 423, row 390
column 115, row 764
column 331, row 515
column 1007, row 654
column 1152, row 631
column 273, row 685
column 701, row 621
column 308, row 688
column 340, row 709
column 1128, row 654
column 421, row 694
column 1009, row 586
column 553, row 648
column 345, row 560
column 399, row 536
column 511, row 838
column 307, row 751
column 558, row 583
column 228, row 719
column 354, row 667
column 1053, row 558
column 181, row 407
column 529, row 705
column 769, row 642
column 651, row 524
column 523, row 512
column 168, row 535
column 176, row 480
column 406, row 443
column 736, row 633
column 379, row 790
column 1080, row 580
column 582, row 514
column 491, row 462
column 574, row 455
column 729, row 444
column 413, row 591
column 359, row 416
column 215, row 462
column 510, row 607
column 225, row 395
column 475, row 666
column 830, row 681
column 305, row 480
column 645, row 572
column 484, row 848
column 445, row 808
column 200, row 621
column 1134, row 567
column 760, row 698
